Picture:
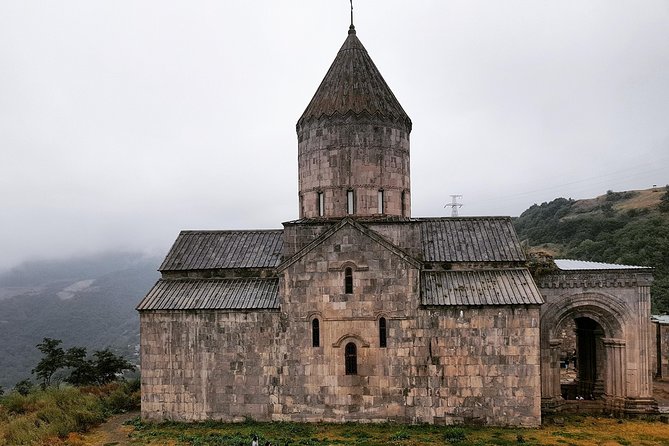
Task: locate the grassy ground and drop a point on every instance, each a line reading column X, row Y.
column 49, row 416
column 577, row 431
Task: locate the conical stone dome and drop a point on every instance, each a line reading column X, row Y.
column 353, row 143
column 354, row 85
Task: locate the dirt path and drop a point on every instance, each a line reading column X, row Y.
column 111, row 433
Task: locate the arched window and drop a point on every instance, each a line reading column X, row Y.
column 351, row 359
column 315, row 333
column 301, row 206
column 350, row 202
column 383, row 333
column 320, row 203
column 380, row 199
column 348, row 281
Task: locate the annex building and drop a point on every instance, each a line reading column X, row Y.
column 356, row 311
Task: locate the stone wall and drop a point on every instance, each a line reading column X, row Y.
column 661, row 356
column 200, row 365
column 438, row 367
column 334, row 157
column 477, row 365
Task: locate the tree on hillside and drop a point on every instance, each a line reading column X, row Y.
column 53, row 360
column 82, row 370
column 103, row 368
column 108, row 366
column 602, row 233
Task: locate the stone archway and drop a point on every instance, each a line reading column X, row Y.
column 600, row 346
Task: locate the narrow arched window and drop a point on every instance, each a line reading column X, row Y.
column 350, row 202
column 380, row 198
column 315, row 333
column 351, row 359
column 301, row 206
column 348, row 281
column 321, row 204
column 383, row 333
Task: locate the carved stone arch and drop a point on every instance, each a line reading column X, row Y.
column 612, row 317
column 351, row 337
column 312, row 315
column 603, row 308
column 349, row 264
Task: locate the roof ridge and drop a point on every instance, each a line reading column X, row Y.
column 469, row 217
column 216, row 231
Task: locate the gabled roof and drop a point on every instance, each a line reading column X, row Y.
column 479, row 287
column 357, row 226
column 470, row 239
column 195, row 250
column 212, row 294
column 353, row 85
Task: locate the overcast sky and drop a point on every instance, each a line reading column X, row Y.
column 123, row 122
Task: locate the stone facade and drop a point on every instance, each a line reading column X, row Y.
column 614, row 346
column 334, row 160
column 456, row 364
column 358, row 312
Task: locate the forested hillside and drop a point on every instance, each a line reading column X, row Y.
column 88, row 302
column 629, row 228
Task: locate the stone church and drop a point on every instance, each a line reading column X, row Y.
column 356, row 311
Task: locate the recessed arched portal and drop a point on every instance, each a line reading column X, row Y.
column 582, row 359
column 597, row 341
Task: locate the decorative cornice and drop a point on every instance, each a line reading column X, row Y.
column 351, row 117
column 599, row 279
column 374, row 187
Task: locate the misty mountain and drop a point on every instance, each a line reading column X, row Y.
column 88, row 301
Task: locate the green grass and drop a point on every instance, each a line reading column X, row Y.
column 49, row 415
column 577, row 432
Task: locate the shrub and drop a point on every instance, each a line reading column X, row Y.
column 454, row 435
column 401, row 435
column 122, row 399
column 24, row 386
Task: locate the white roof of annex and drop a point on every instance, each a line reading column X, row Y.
column 662, row 319
column 582, row 265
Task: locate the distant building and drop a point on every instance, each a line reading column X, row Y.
column 357, row 311
column 661, row 323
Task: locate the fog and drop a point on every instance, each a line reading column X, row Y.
column 123, row 122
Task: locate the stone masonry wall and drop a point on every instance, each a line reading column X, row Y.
column 661, row 334
column 209, row 365
column 439, row 366
column 363, row 157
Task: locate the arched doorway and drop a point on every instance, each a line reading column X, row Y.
column 583, row 352
column 582, row 359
